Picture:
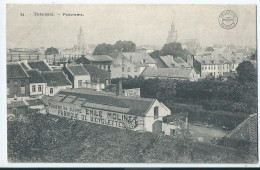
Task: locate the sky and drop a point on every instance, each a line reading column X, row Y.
column 142, row 24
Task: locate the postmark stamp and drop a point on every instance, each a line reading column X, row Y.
column 228, row 19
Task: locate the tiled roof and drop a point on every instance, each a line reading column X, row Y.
column 35, row 76
column 171, row 61
column 167, row 72
column 234, row 58
column 160, row 63
column 15, row 70
column 97, row 73
column 138, row 57
column 35, row 102
column 39, row 65
column 16, row 103
column 77, row 70
column 211, row 59
column 132, row 106
column 99, row 58
column 117, row 58
column 56, row 78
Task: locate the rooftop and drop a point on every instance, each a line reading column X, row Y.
column 35, row 76
column 99, row 58
column 171, row 61
column 97, row 73
column 15, row 70
column 128, row 105
column 56, row 78
column 77, row 70
column 139, row 58
column 35, row 102
column 167, row 72
column 211, row 58
column 39, row 65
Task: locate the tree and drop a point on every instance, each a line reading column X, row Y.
column 104, row 49
column 209, row 49
column 51, row 51
column 125, row 46
column 174, row 49
column 246, row 72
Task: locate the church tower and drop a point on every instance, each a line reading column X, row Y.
column 172, row 34
column 81, row 41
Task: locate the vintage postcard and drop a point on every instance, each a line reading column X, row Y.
column 131, row 83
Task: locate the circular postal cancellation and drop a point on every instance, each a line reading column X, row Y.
column 228, row 19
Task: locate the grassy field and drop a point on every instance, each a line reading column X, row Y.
column 52, row 139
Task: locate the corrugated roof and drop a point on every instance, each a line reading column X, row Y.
column 132, row 106
column 15, row 70
column 167, row 72
column 56, row 78
column 35, row 76
column 77, row 70
column 39, row 65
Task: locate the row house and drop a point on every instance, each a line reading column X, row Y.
column 130, row 64
column 210, row 65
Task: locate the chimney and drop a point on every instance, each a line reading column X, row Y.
column 119, row 90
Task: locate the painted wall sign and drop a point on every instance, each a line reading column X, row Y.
column 97, row 116
column 132, row 92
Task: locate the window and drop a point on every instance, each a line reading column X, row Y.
column 39, row 88
column 15, row 82
column 233, row 66
column 135, row 69
column 14, row 111
column 205, row 67
column 123, row 69
column 129, row 76
column 107, row 81
column 156, row 112
column 33, row 88
column 8, row 90
column 202, row 67
column 22, row 87
column 105, row 67
column 214, row 67
column 51, row 90
column 128, row 69
column 143, row 61
column 80, row 83
column 108, row 67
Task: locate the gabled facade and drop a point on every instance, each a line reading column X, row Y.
column 56, row 80
column 78, row 75
column 38, row 84
column 130, row 64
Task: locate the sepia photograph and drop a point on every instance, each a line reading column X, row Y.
column 132, row 83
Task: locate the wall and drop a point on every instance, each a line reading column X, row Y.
column 16, row 89
column 36, row 88
column 55, row 89
column 97, row 116
column 84, row 78
column 116, row 70
column 194, row 76
column 149, row 119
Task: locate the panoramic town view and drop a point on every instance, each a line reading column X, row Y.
column 132, row 83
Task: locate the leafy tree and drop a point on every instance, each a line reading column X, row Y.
column 174, row 49
column 209, row 49
column 246, row 72
column 51, row 51
column 104, row 49
column 125, row 46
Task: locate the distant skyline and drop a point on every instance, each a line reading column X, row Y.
column 142, row 24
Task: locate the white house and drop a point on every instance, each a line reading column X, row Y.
column 37, row 83
column 56, row 80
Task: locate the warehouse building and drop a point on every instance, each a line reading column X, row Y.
column 139, row 114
